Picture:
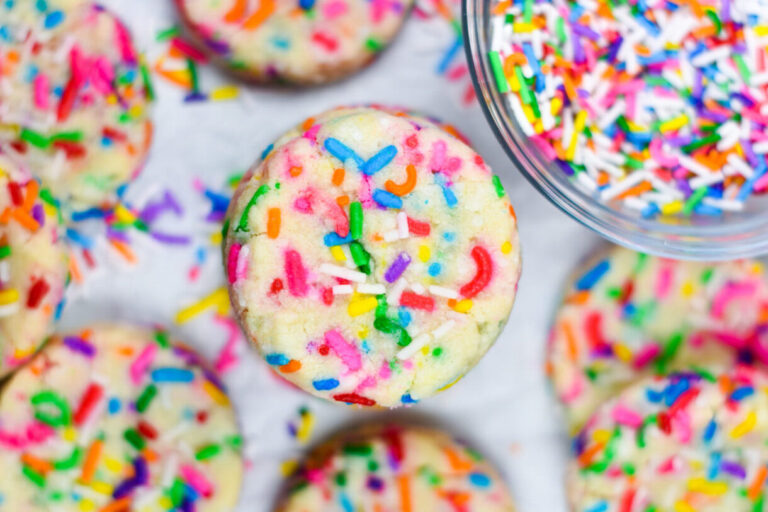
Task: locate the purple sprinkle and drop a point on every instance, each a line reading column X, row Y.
column 140, row 471
column 397, row 268
column 749, row 152
column 38, row 214
column 585, row 31
column 171, row 239
column 375, row 483
column 734, row 469
column 156, row 208
column 76, row 344
column 685, row 187
column 219, row 47
column 114, row 234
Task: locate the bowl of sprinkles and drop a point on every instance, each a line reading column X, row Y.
column 645, row 120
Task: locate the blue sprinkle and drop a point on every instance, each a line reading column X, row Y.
column 267, row 151
column 480, row 479
column 378, row 161
column 277, row 360
column 602, row 506
column 53, row 19
column 342, row 151
column 306, row 4
column 434, row 269
column 449, row 236
column 333, row 238
column 387, row 199
column 325, row 384
column 114, row 406
column 281, row 43
column 219, row 202
column 41, row 5
column 404, row 316
column 588, row 280
column 674, row 390
column 650, row 211
column 742, row 393
column 171, row 375
column 106, row 142
column 654, row 396
column 408, row 399
column 59, row 309
column 714, row 465
column 91, row 213
column 345, row 503
column 365, row 347
column 442, row 67
column 79, row 238
column 448, row 194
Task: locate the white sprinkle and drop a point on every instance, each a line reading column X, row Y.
column 612, row 115
column 622, row 186
column 708, row 57
column 343, row 273
column 402, row 225
column 443, row 292
column 171, row 435
column 418, row 288
column 170, row 470
column 522, row 120
column 705, row 181
column 443, row 329
column 724, row 204
column 145, row 498
column 743, row 167
column 759, row 79
column 371, row 289
column 416, row 344
column 9, row 309
column 586, row 181
column 343, row 289
column 635, row 203
column 392, row 236
column 760, row 148
column 693, row 166
column 393, row 297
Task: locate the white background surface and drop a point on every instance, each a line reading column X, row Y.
column 503, row 407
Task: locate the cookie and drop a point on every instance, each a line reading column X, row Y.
column 372, row 262
column 395, row 468
column 117, row 418
column 74, row 106
column 626, row 315
column 33, row 265
column 683, row 443
column 307, row 42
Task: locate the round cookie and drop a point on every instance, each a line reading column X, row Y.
column 626, row 315
column 117, row 418
column 305, row 42
column 372, row 262
column 393, row 467
column 33, row 266
column 683, row 443
column 75, row 100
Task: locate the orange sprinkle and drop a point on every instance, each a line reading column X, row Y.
column 308, row 123
column 401, row 189
column 570, row 88
column 121, row 505
column 501, row 7
column 296, row 170
column 578, row 297
column 149, row 130
column 25, row 220
column 39, row 465
column 236, row 13
column 338, row 176
column 265, row 10
column 74, row 269
column 273, row 222
column 342, row 200
column 149, row 454
column 587, row 455
column 180, row 78
column 570, row 339
column 293, row 365
column 457, row 463
column 640, row 188
column 91, row 461
column 404, row 486
column 31, row 197
column 124, row 250
column 757, row 484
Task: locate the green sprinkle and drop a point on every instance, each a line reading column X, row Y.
column 693, row 146
column 528, row 11
column 33, row 476
column 168, row 33
column 177, row 491
column 134, row 439
column 707, row 274
column 525, row 92
column 235, row 442
column 669, row 351
column 34, row 138
column 498, row 186
column 356, row 220
column 341, row 479
column 5, row 251
column 746, row 75
column 437, row 352
column 243, row 224
column 70, row 462
column 208, row 452
column 362, row 450
column 373, row 45
column 361, row 257
column 715, row 21
column 76, row 136
column 49, row 398
column 560, row 30
column 498, row 72
column 146, row 397
column 192, row 70
column 149, row 89
column 694, row 200
column 373, row 466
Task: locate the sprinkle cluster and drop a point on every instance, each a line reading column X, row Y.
column 309, row 41
column 116, row 419
column 33, row 265
column 661, row 106
column 75, row 97
column 372, row 260
column 626, row 315
column 395, row 468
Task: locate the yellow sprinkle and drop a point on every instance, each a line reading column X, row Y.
column 124, row 215
column 672, row 207
column 363, row 333
column 514, row 83
column 674, row 124
column 523, row 27
column 506, row 247
column 362, row 306
column 739, row 149
column 529, row 113
column 757, row 268
column 634, row 126
column 102, row 488
column 112, row 99
column 23, row 353
column 304, row 432
column 424, row 253
column 69, row 434
column 745, row 426
column 215, row 394
column 218, row 299
column 338, row 253
column 556, row 105
column 601, row 435
column 622, row 352
column 450, row 384
column 761, row 30
column 425, row 350
column 687, row 289
column 136, row 111
column 9, row 296
column 288, row 467
column 86, row 505
column 463, row 306
column 682, row 506
column 165, row 503
column 538, row 126
column 49, row 210
column 705, row 486
column 578, row 127
column 225, row 92
column 216, row 238
column 113, row 464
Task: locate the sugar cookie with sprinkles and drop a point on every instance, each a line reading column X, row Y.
column 682, row 443
column 626, row 315
column 117, row 418
column 74, row 103
column 33, row 265
column 304, row 42
column 372, row 262
column 389, row 468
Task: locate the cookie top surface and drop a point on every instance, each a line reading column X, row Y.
column 74, row 102
column 395, row 468
column 681, row 443
column 117, row 417
column 33, row 265
column 625, row 315
column 304, row 42
column 372, row 262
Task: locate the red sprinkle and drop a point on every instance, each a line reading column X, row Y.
column 36, row 294
column 68, row 98
column 413, row 300
column 71, row 149
column 324, row 350
column 14, row 189
column 277, row 286
column 482, row 277
column 146, row 430
column 354, row 398
column 326, row 41
column 418, row 228
column 327, row 296
column 91, row 397
column 114, row 134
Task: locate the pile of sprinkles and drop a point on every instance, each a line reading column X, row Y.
column 689, row 442
column 76, row 96
column 372, row 259
column 113, row 419
column 625, row 315
column 660, row 106
column 395, row 467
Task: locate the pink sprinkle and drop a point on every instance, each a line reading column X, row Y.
column 227, row 357
column 197, row 480
column 364, row 193
column 728, row 293
column 234, row 254
column 658, row 155
column 188, row 50
column 142, row 362
column 102, row 75
column 438, row 156
column 731, row 339
column 624, row 416
column 41, row 91
column 368, row 382
column 646, row 355
column 681, row 423
column 124, row 43
column 311, row 134
column 378, row 9
column 333, row 9
column 385, row 371
column 339, row 218
column 295, row 274
column 574, row 391
column 347, row 352
column 544, row 146
column 242, row 264
column 664, row 281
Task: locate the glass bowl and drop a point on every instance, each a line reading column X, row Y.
column 733, row 235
